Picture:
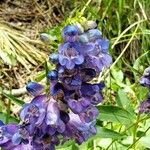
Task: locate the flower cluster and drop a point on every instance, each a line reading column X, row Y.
column 68, row 111
column 145, row 81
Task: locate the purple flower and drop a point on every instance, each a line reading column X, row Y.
column 21, row 136
column 90, row 36
column 78, row 130
column 147, row 72
column 54, row 58
column 72, row 83
column 94, row 34
column 1, row 123
column 6, row 134
column 69, row 55
column 89, row 114
column 34, row 113
column 64, row 116
column 88, row 89
column 53, row 117
column 57, row 90
column 67, row 111
column 97, row 56
column 75, row 106
column 52, row 75
column 45, row 142
column 145, row 79
column 87, row 74
column 23, row 147
column 34, row 88
column 78, row 106
column 144, row 106
column 70, row 33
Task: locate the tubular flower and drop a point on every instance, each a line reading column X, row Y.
column 68, row 110
column 144, row 106
column 69, row 55
column 70, row 33
column 145, row 79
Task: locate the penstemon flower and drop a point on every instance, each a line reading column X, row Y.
column 144, row 106
column 68, row 111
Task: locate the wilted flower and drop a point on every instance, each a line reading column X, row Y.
column 44, row 37
column 144, row 106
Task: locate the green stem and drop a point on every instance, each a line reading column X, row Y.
column 145, row 118
column 135, row 129
column 123, row 51
column 8, row 112
column 137, row 139
column 82, row 11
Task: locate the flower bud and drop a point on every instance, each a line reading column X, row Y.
column 34, row 88
column 52, row 75
column 54, row 58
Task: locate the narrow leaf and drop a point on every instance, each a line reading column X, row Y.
column 14, row 99
column 11, row 118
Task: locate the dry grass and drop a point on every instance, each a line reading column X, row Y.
column 20, row 50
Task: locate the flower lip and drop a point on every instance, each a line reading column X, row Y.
column 69, row 55
column 33, row 114
column 6, row 133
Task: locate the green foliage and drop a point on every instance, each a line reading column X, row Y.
column 14, row 99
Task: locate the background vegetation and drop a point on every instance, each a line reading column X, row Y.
column 23, row 58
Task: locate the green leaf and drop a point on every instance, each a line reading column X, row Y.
column 41, row 75
column 11, row 118
column 75, row 147
column 123, row 101
column 115, row 114
column 107, row 133
column 14, row 99
column 144, row 141
column 118, row 75
column 66, row 145
column 121, row 98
